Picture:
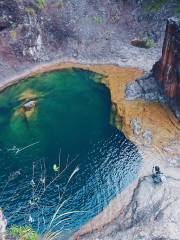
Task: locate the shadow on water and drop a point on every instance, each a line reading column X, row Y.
column 68, row 128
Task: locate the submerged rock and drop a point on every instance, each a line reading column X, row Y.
column 30, row 105
column 26, row 110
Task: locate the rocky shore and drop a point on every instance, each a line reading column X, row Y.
column 149, row 215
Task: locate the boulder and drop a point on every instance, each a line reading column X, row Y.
column 30, row 105
column 142, row 43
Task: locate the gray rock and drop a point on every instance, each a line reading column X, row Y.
column 29, row 105
column 172, row 151
column 153, row 213
column 177, row 112
column 148, row 83
column 3, row 224
column 133, row 91
column 146, row 88
column 136, row 126
column 147, row 136
column 151, row 96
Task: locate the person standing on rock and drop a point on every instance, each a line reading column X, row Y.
column 157, row 175
column 156, row 170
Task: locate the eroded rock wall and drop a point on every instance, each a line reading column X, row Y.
column 167, row 69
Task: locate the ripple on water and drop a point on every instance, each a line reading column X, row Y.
column 72, row 117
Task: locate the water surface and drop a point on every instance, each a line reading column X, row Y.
column 70, row 127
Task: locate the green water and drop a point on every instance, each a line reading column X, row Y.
column 70, row 127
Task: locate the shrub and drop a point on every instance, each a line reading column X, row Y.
column 13, row 32
column 40, row 3
column 39, row 186
column 177, row 10
column 142, row 43
column 155, row 6
column 30, row 11
column 97, row 19
column 149, row 43
column 23, row 233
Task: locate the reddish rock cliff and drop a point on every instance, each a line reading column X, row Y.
column 167, row 70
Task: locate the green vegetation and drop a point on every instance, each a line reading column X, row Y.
column 41, row 3
column 27, row 232
column 23, row 233
column 13, row 32
column 30, row 11
column 149, row 43
column 97, row 19
column 59, row 4
column 177, row 10
column 155, row 5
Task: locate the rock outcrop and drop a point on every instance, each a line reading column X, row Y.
column 162, row 84
column 167, row 69
column 30, row 105
column 3, row 224
column 152, row 214
column 146, row 88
